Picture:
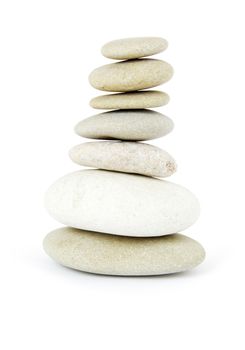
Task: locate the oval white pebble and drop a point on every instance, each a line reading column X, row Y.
column 126, row 256
column 131, row 75
column 124, row 49
column 128, row 157
column 131, row 100
column 131, row 125
column 122, row 204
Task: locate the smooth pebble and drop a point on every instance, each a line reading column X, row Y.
column 131, row 75
column 131, row 100
column 127, row 157
column 122, row 204
column 129, row 48
column 126, row 256
column 131, row 125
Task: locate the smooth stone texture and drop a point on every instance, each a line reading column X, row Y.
column 131, row 125
column 131, row 100
column 127, row 157
column 131, row 75
column 122, row 204
column 129, row 48
column 126, row 256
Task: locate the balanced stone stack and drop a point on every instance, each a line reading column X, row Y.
column 120, row 218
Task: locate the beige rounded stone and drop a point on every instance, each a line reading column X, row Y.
column 131, row 125
column 129, row 48
column 131, row 100
column 131, row 75
column 126, row 256
column 127, row 157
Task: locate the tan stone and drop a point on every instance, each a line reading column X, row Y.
column 131, row 100
column 124, row 49
column 131, row 75
column 116, row 255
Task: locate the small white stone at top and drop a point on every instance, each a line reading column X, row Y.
column 130, row 48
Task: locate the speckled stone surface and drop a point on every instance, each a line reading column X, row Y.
column 131, row 75
column 128, row 157
column 116, row 255
column 131, row 125
column 131, row 100
column 128, row 48
column 122, row 204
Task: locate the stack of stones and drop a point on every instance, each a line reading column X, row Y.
column 120, row 218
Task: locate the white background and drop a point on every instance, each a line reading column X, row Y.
column 48, row 48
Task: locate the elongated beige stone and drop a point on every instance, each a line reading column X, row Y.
column 131, row 75
column 131, row 100
column 127, row 256
column 127, row 157
column 131, row 125
column 124, row 49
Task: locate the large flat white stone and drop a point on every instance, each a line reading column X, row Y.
column 116, row 255
column 122, row 204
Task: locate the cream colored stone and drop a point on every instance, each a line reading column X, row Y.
column 124, row 49
column 127, row 157
column 131, row 100
column 131, row 75
column 131, row 125
column 122, row 204
column 127, row 256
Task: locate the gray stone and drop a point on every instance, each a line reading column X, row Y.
column 131, row 125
